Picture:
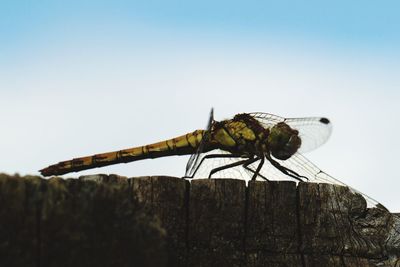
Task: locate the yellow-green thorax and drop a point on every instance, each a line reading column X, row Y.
column 244, row 135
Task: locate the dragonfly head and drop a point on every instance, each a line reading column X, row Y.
column 283, row 141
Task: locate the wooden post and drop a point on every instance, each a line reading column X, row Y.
column 108, row 220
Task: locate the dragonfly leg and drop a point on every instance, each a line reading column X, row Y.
column 211, row 156
column 257, row 171
column 253, row 171
column 241, row 162
column 295, row 174
column 285, row 170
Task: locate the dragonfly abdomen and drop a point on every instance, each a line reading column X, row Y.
column 182, row 145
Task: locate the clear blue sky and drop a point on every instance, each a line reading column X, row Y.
column 359, row 24
column 85, row 77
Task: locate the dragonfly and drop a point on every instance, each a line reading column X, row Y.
column 264, row 146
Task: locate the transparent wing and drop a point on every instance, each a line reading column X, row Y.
column 297, row 163
column 208, row 164
column 266, row 119
column 267, row 172
column 313, row 131
column 193, row 161
column 301, row 165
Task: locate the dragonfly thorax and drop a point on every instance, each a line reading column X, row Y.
column 242, row 135
column 283, row 141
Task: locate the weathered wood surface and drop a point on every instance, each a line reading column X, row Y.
column 102, row 220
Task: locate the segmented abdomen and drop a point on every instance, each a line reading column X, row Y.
column 182, row 145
